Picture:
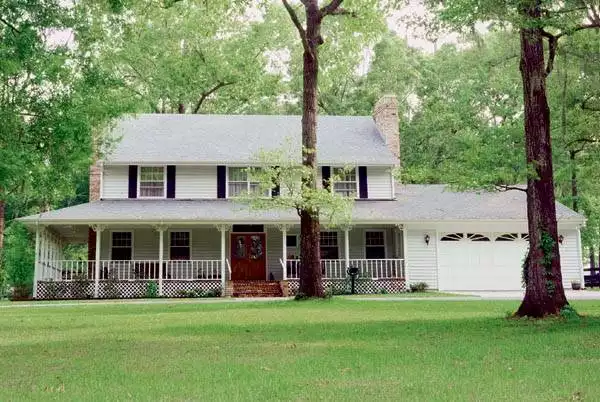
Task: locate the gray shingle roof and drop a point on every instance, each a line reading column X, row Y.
column 218, row 139
column 414, row 203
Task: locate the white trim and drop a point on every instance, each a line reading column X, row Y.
column 249, row 163
column 405, row 255
column 161, row 249
column 176, row 231
column 284, row 252
column 101, row 164
column 437, row 256
column 36, row 271
column 364, row 242
column 347, row 248
column 110, row 244
column 393, row 183
column 139, row 174
column 580, row 257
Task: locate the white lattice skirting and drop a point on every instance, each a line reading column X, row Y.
column 110, row 289
column 362, row 286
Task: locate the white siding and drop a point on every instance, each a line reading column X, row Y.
column 570, row 258
column 421, row 259
column 379, row 182
column 115, row 182
column 274, row 242
column 196, row 182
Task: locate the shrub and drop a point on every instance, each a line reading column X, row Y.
column 18, row 258
column 418, row 287
column 152, row 290
column 568, row 313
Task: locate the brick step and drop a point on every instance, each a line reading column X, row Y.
column 256, row 289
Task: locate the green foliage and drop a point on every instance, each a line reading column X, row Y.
column 18, row 256
column 569, row 313
column 151, row 290
column 419, row 287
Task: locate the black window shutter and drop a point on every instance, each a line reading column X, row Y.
column 221, row 173
column 363, row 188
column 171, row 173
column 326, row 173
column 133, row 181
column 276, row 188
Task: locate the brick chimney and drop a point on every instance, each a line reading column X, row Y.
column 385, row 114
column 95, row 181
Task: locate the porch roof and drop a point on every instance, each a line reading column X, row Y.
column 413, row 203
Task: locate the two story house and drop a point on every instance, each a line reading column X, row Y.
column 163, row 211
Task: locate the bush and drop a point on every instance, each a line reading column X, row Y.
column 18, row 259
column 152, row 290
column 418, row 287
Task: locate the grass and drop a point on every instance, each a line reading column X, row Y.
column 318, row 350
column 407, row 295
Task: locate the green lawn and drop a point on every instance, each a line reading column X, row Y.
column 405, row 295
column 330, row 350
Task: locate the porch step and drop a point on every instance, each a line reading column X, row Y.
column 256, row 289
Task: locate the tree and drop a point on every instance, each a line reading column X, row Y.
column 536, row 20
column 311, row 39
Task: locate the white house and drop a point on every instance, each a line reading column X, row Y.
column 163, row 214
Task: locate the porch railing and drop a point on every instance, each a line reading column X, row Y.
column 74, row 270
column 336, row 269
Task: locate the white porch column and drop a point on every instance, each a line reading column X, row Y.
column 36, row 264
column 223, row 229
column 284, row 251
column 161, row 250
column 347, row 246
column 404, row 253
column 98, row 229
column 42, row 258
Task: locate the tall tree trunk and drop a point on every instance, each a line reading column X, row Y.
column 592, row 261
column 310, row 273
column 544, row 293
column 574, row 189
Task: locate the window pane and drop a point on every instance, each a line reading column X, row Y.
column 152, row 181
column 375, row 252
column 121, row 254
column 181, row 239
column 291, row 241
column 238, row 174
column 237, row 188
column 330, row 253
column 121, row 246
column 374, row 239
column 328, row 239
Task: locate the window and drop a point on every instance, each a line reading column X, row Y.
column 240, row 184
column 291, row 241
column 345, row 182
column 179, row 246
column 121, row 246
column 152, row 181
column 507, row 237
column 477, row 237
column 453, row 237
column 374, row 244
column 329, row 246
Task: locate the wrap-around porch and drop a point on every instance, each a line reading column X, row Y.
column 176, row 261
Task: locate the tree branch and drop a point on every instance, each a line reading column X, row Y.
column 552, row 44
column 504, row 187
column 298, row 25
column 8, row 24
column 206, row 94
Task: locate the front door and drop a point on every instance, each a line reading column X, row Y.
column 248, row 256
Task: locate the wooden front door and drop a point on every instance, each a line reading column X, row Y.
column 248, row 256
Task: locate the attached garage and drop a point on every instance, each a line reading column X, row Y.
column 481, row 261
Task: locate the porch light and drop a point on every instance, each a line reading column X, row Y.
column 561, row 238
column 427, row 238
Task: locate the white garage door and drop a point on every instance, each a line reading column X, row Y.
column 481, row 261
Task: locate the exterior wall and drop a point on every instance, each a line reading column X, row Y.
column 115, row 182
column 421, row 259
column 379, row 182
column 570, row 258
column 196, row 182
column 200, row 182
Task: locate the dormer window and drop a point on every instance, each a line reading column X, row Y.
column 152, row 182
column 239, row 182
column 345, row 182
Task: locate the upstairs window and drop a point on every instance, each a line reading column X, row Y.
column 345, row 182
column 180, row 246
column 240, row 184
column 152, row 181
